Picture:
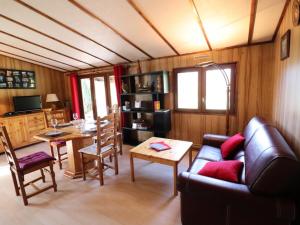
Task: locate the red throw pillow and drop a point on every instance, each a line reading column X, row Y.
column 231, row 145
column 224, row 170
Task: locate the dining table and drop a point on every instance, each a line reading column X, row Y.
column 75, row 140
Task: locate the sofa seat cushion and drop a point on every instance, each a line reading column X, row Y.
column 197, row 165
column 34, row 159
column 232, row 145
column 239, row 155
column 209, row 153
column 229, row 170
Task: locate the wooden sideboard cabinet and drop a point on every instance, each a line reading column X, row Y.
column 22, row 128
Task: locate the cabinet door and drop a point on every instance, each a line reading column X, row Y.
column 16, row 128
column 35, row 123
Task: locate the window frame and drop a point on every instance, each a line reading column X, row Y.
column 93, row 94
column 202, row 89
column 184, row 70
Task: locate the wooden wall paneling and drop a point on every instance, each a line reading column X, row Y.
column 48, row 81
column 286, row 104
column 254, row 90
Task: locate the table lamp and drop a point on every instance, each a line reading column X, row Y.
column 52, row 98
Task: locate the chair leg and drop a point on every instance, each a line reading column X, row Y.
column 52, row 150
column 110, row 158
column 59, row 158
column 15, row 182
column 43, row 175
column 100, row 169
column 83, row 166
column 22, row 188
column 53, row 177
column 120, row 145
column 116, row 162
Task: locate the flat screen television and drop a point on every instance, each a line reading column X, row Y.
column 26, row 103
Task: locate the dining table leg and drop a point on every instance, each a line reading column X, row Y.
column 74, row 168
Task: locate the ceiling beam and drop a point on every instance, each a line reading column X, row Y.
column 252, row 20
column 53, row 38
column 136, row 8
column 39, row 55
column 91, row 14
column 280, row 19
column 30, row 42
column 200, row 24
column 33, row 60
column 70, row 29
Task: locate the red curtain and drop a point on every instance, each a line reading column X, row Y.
column 118, row 71
column 75, row 94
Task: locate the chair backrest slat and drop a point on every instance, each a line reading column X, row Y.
column 117, row 110
column 55, row 114
column 106, row 131
column 8, row 149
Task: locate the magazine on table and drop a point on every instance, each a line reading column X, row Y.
column 160, row 146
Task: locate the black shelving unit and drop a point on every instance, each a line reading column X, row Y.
column 145, row 88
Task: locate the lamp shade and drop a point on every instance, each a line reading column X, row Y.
column 52, row 98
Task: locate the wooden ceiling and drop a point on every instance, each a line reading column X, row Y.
column 71, row 35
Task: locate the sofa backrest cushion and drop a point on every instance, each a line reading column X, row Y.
column 270, row 164
column 254, row 124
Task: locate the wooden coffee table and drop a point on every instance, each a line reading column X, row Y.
column 168, row 157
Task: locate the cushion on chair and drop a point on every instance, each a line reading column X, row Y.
column 92, row 149
column 34, row 159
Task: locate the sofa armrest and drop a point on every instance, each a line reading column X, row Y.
column 214, row 140
column 227, row 193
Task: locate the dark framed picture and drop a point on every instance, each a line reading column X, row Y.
column 17, row 79
column 285, row 45
column 2, row 78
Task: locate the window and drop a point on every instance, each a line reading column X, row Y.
column 98, row 93
column 215, row 89
column 204, row 89
column 188, row 97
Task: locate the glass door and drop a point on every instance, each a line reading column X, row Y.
column 98, row 94
column 113, row 91
column 87, row 101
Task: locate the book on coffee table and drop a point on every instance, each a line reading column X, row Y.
column 160, row 146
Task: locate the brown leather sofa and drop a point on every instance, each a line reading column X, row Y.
column 268, row 185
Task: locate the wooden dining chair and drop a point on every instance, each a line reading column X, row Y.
column 61, row 118
column 116, row 109
column 105, row 147
column 19, row 167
